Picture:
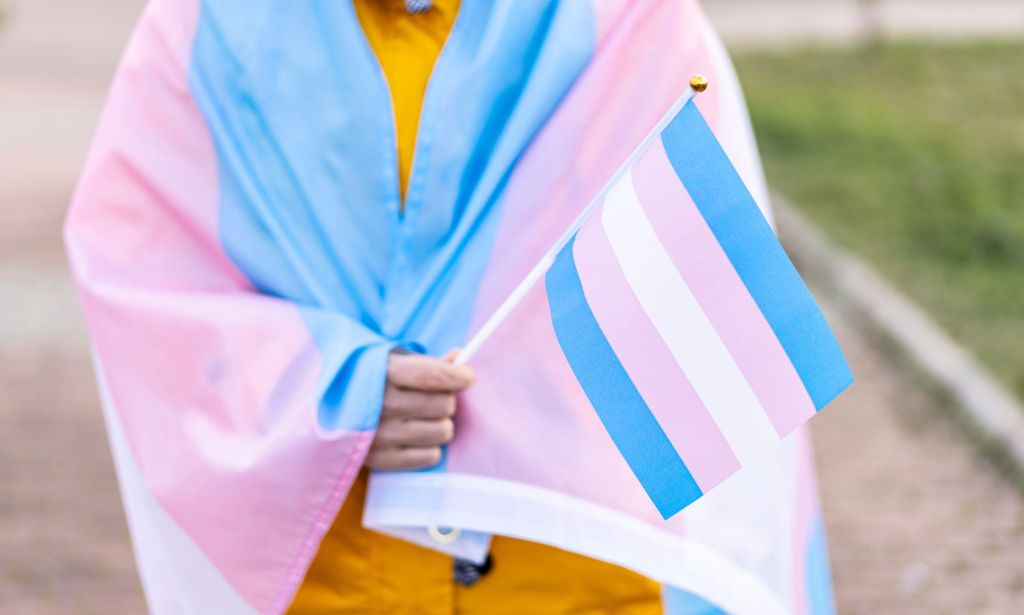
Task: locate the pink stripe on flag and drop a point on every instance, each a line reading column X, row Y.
column 720, row 292
column 649, row 363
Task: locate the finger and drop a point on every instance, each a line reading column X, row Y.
column 426, row 373
column 451, row 355
column 420, row 372
column 415, row 433
column 403, row 458
column 407, row 403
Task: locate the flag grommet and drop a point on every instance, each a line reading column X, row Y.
column 444, row 535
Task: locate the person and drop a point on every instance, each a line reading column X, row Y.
column 279, row 242
column 360, row 571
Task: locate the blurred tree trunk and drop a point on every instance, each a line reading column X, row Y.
column 5, row 12
column 871, row 20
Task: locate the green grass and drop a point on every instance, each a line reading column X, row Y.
column 911, row 155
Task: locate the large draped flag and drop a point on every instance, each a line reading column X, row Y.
column 245, row 269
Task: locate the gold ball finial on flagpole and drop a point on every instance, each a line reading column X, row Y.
column 699, row 83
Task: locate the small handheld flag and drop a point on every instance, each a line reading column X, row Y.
column 681, row 316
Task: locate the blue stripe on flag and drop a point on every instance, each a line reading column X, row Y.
column 759, row 259
column 618, row 404
column 681, row 602
column 820, row 599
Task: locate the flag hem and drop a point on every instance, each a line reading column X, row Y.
column 543, row 516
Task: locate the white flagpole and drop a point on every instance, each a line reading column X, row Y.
column 697, row 84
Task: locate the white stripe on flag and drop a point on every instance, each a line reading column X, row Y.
column 681, row 322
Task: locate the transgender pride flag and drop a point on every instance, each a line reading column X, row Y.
column 683, row 320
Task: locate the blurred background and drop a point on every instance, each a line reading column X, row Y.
column 893, row 136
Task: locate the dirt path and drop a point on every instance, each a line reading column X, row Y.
column 63, row 541
column 918, row 522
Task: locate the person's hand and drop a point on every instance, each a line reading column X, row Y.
column 416, row 418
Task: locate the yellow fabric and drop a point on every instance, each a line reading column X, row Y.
column 359, row 571
column 407, row 47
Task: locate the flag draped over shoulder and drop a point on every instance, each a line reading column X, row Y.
column 245, row 268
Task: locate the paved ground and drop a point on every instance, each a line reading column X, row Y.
column 63, row 543
column 918, row 523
